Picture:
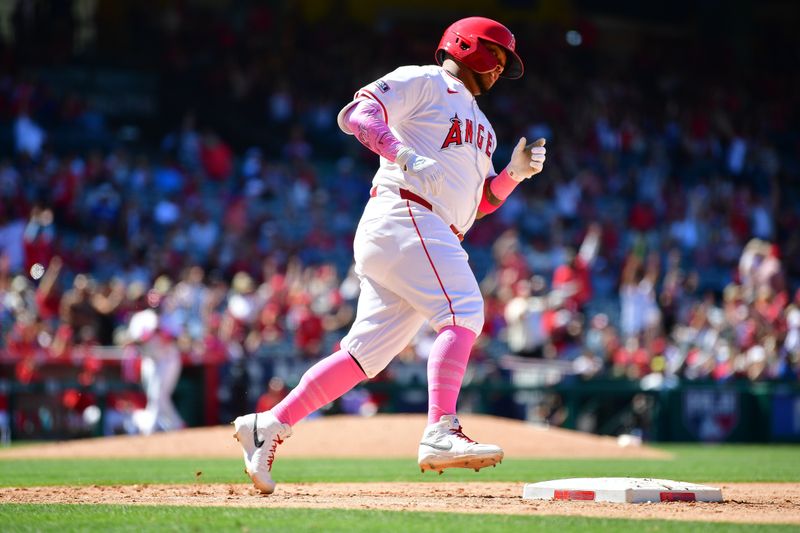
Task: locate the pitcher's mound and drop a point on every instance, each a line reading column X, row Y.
column 380, row 436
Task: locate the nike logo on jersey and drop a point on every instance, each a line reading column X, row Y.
column 442, row 447
column 451, row 91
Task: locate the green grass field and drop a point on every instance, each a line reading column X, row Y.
column 694, row 463
column 128, row 518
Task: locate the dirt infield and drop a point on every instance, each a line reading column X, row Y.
column 745, row 502
column 394, row 436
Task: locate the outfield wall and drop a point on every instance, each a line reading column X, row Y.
column 655, row 410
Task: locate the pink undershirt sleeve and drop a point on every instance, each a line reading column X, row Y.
column 365, row 120
column 501, row 186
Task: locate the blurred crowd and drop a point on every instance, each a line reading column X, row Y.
column 660, row 243
column 667, row 328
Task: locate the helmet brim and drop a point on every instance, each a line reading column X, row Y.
column 513, row 69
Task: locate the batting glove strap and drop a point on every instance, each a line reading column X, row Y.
column 405, row 155
column 428, row 172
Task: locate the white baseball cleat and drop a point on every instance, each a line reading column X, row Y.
column 259, row 435
column 444, row 445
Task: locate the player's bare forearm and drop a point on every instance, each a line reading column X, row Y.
column 489, row 194
column 495, row 191
column 488, row 198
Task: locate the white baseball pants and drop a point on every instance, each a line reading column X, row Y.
column 412, row 270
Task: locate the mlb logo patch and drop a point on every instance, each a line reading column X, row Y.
column 382, row 86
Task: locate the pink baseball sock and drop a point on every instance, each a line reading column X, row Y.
column 321, row 384
column 446, row 366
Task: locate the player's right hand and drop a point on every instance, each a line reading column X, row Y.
column 425, row 175
column 526, row 161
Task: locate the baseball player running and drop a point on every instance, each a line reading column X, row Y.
column 435, row 178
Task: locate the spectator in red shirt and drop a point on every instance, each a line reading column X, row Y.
column 48, row 295
column 572, row 278
column 276, row 391
column 216, row 156
column 642, row 217
column 308, row 337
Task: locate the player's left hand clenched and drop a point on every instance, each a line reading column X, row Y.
column 527, row 161
column 426, row 174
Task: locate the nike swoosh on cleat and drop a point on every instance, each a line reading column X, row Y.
column 258, row 443
column 450, row 91
column 442, row 447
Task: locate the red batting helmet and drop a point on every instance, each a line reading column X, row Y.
column 464, row 41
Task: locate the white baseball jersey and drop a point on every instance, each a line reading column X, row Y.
column 408, row 257
column 430, row 110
